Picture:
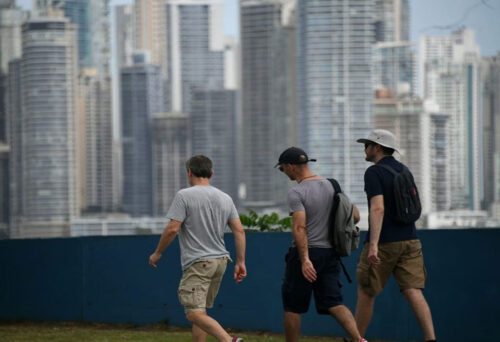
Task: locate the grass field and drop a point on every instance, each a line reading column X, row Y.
column 96, row 332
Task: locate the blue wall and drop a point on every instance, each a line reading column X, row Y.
column 108, row 279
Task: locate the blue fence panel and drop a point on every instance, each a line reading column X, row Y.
column 41, row 279
column 108, row 279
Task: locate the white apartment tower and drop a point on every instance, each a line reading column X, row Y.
column 451, row 77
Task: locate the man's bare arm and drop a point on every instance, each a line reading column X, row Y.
column 376, row 218
column 240, row 271
column 299, row 231
column 357, row 217
column 166, row 239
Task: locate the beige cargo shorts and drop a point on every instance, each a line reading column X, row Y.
column 403, row 259
column 200, row 284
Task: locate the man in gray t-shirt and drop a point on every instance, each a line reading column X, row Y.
column 312, row 266
column 199, row 215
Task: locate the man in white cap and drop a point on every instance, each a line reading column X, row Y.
column 391, row 246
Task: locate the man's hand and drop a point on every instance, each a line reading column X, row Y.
column 308, row 271
column 153, row 259
column 240, row 272
column 373, row 255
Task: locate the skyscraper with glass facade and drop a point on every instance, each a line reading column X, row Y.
column 92, row 20
column 195, row 50
column 141, row 98
column 213, row 133
column 334, row 47
column 394, row 63
column 268, row 60
column 490, row 72
column 46, row 164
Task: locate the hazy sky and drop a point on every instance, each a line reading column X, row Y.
column 427, row 17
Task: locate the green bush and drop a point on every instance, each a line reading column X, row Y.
column 265, row 223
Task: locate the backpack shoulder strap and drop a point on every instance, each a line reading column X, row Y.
column 348, row 277
column 336, row 185
column 387, row 167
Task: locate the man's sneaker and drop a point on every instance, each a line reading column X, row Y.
column 237, row 339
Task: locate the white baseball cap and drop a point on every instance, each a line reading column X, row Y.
column 381, row 137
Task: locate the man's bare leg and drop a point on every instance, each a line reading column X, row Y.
column 208, row 324
column 364, row 310
column 345, row 318
column 292, row 322
column 199, row 335
column 422, row 311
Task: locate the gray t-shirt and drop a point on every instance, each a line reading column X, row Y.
column 315, row 197
column 204, row 212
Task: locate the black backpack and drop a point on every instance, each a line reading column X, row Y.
column 408, row 206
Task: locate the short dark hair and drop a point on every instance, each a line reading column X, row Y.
column 387, row 151
column 200, row 166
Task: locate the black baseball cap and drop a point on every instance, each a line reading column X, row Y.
column 293, row 155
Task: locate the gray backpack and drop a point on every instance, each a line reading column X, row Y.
column 343, row 233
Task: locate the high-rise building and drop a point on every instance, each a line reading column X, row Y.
column 213, row 133
column 392, row 20
column 14, row 119
column 11, row 19
column 97, row 142
column 268, row 55
column 490, row 76
column 195, row 50
column 124, row 32
column 92, row 20
column 335, row 99
column 171, row 146
column 450, row 76
column 232, row 79
column 4, row 191
column 141, row 98
column 46, row 157
column 150, row 30
column 394, row 67
column 124, row 47
column 394, row 57
column 421, row 136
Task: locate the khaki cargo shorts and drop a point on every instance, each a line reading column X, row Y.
column 404, row 259
column 200, row 284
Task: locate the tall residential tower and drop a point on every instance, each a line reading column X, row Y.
column 335, row 99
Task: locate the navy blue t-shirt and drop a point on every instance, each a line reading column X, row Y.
column 379, row 181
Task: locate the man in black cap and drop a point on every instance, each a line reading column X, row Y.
column 311, row 263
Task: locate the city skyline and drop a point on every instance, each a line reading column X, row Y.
column 446, row 16
column 317, row 74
